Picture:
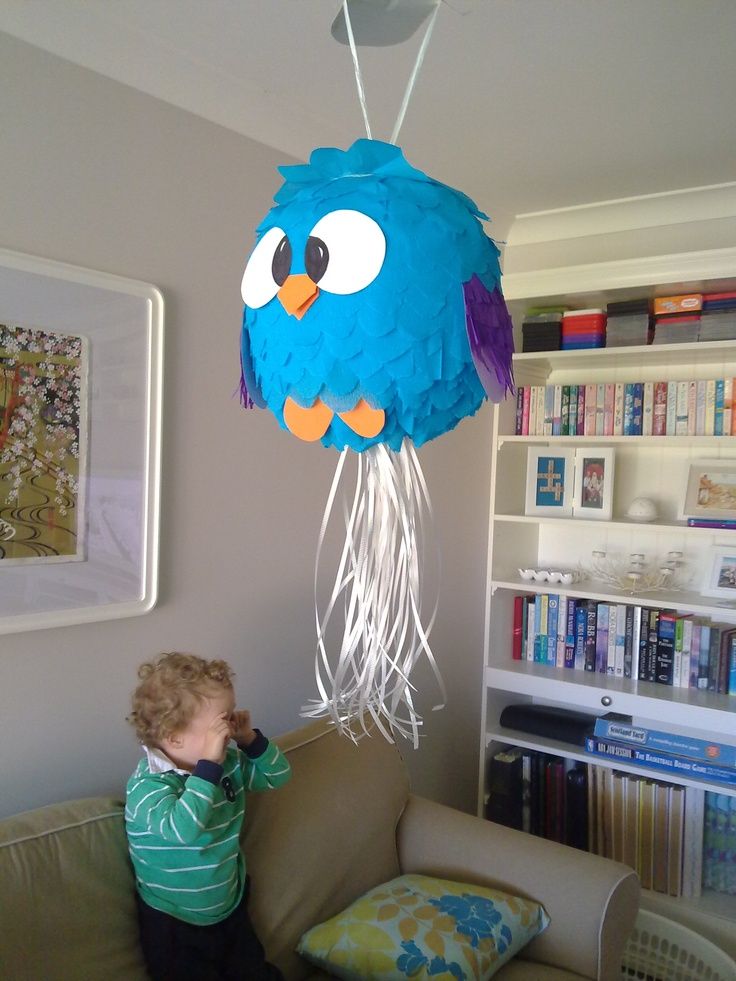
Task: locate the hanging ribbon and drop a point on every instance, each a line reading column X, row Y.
column 378, row 586
column 412, row 79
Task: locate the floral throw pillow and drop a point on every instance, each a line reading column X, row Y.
column 420, row 927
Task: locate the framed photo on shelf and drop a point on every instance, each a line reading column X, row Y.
column 80, row 432
column 549, row 481
column 593, row 490
column 711, row 490
column 720, row 573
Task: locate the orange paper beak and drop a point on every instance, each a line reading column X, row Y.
column 298, row 294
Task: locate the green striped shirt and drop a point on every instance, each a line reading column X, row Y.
column 184, row 833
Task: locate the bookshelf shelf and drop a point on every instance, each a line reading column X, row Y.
column 655, row 467
column 570, row 752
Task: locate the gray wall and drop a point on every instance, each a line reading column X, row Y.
column 99, row 175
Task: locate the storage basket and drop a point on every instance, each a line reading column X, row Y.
column 661, row 950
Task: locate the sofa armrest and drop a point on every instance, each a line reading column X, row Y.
column 592, row 902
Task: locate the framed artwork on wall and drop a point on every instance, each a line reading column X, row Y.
column 720, row 573
column 710, row 491
column 549, row 481
column 80, row 429
column 593, row 491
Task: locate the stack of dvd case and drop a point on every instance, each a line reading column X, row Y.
column 542, row 331
column 629, row 323
column 718, row 317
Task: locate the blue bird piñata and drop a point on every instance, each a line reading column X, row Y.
column 373, row 307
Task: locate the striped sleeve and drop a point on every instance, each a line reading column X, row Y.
column 180, row 818
column 267, row 771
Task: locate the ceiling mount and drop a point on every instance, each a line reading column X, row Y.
column 380, row 23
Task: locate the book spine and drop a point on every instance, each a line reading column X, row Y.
column 728, row 406
column 561, row 630
column 665, row 661
column 543, row 619
column 590, row 397
column 671, row 408
column 687, row 641
column 691, row 407
column 517, row 630
column 590, row 625
column 572, row 609
column 710, row 523
column 637, row 417
column 600, row 408
column 695, row 656
column 608, row 408
column 663, row 762
column 700, row 408
column 628, row 407
column 618, row 410
column 691, row 747
column 565, row 427
column 530, row 626
column 580, row 424
column 581, row 626
column 652, row 645
column 557, row 411
column 681, row 409
column 553, row 604
column 659, row 419
column 621, row 614
column 527, row 390
column 519, row 411
column 601, row 638
column 710, row 407
column 718, row 413
column 549, row 409
column 703, row 657
column 732, row 667
column 611, row 652
column 648, row 422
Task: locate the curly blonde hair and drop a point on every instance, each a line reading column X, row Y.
column 170, row 690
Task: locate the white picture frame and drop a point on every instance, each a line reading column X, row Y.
column 710, row 490
column 593, row 487
column 720, row 573
column 121, row 323
column 549, row 481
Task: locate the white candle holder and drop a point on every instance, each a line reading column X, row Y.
column 637, row 574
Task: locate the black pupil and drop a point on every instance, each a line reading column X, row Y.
column 281, row 265
column 316, row 258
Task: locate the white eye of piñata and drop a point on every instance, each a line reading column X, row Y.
column 267, row 269
column 344, row 252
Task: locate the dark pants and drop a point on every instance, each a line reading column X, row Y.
column 225, row 951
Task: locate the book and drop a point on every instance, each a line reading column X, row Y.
column 602, row 620
column 711, row 523
column 517, row 634
column 645, row 857
column 659, row 414
column 692, row 845
column 576, row 807
column 658, row 760
column 505, row 788
column 675, row 837
column 662, row 793
column 719, row 843
column 553, row 603
column 648, row 417
column 677, row 741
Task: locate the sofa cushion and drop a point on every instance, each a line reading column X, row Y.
column 418, row 926
column 324, row 839
column 68, row 882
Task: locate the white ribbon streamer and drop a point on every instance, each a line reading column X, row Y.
column 356, row 66
column 378, row 586
column 417, row 65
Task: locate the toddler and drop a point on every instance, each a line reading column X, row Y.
column 184, row 813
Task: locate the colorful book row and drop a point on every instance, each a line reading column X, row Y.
column 655, row 759
column 625, row 641
column 675, row 408
column 653, row 826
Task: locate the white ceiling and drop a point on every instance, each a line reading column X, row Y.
column 524, row 104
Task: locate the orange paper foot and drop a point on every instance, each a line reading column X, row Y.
column 364, row 420
column 308, row 424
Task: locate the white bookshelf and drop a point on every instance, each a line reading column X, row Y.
column 653, row 467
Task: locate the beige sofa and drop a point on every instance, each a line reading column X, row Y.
column 345, row 823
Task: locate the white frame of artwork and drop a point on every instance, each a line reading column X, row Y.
column 533, row 455
column 579, row 510
column 122, row 320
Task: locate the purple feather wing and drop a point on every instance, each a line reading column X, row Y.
column 491, row 337
column 250, row 392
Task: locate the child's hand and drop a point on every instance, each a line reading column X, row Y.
column 240, row 727
column 216, row 739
